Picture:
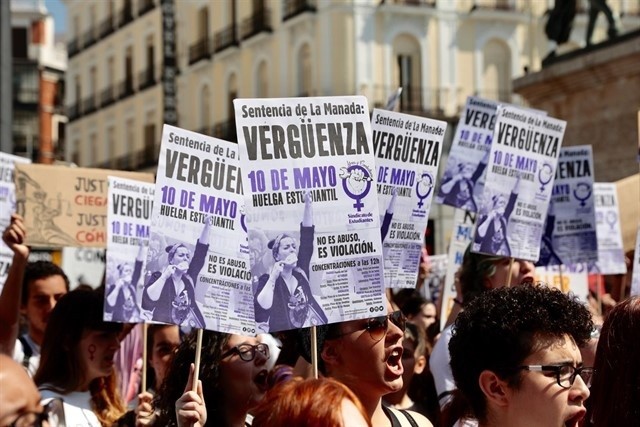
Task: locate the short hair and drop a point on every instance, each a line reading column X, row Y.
column 302, row 403
column 37, row 270
column 615, row 390
column 502, row 327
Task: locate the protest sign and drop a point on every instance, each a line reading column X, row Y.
column 7, row 207
column 128, row 220
column 199, row 274
column 407, row 150
column 461, row 237
column 635, row 278
column 83, row 266
column 64, row 206
column 519, row 183
column 392, row 100
column 308, row 173
column 434, row 282
column 568, row 278
column 463, row 178
column 610, row 248
column 570, row 229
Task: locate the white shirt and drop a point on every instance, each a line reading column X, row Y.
column 77, row 407
column 440, row 366
column 34, row 360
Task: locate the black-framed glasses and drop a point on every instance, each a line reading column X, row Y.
column 378, row 326
column 565, row 374
column 247, row 352
column 52, row 413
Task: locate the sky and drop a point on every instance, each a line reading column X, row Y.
column 59, row 12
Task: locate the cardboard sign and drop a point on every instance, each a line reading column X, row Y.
column 64, row 206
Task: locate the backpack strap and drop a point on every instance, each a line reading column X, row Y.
column 26, row 350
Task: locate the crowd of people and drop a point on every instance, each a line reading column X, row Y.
column 513, row 353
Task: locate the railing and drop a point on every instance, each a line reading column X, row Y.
column 225, row 130
column 427, row 3
column 201, row 49
column 146, row 78
column 225, row 38
column 107, row 27
column 258, row 22
column 73, row 47
column 89, row 105
column 89, row 38
column 73, row 111
column 145, row 6
column 205, row 130
column 26, row 95
column 126, row 88
column 292, row 8
column 506, row 5
column 108, row 96
column 131, row 161
column 417, row 100
column 126, row 16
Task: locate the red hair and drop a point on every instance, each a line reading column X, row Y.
column 305, row 403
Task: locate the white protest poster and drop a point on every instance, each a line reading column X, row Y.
column 7, row 207
column 463, row 178
column 308, row 174
column 392, row 100
column 83, row 266
column 129, row 207
column 568, row 278
column 635, row 278
column 570, row 230
column 519, row 182
column 610, row 247
column 461, row 237
column 434, row 282
column 198, row 263
column 408, row 150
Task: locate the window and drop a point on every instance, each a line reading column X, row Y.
column 407, row 72
column 19, row 43
column 205, row 109
column 111, row 147
column 304, row 71
column 496, row 76
column 262, row 81
column 128, row 71
column 150, row 156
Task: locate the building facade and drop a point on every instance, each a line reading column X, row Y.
column 438, row 51
column 39, row 64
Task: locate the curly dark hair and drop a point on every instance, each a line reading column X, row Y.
column 502, row 327
column 213, row 344
column 39, row 270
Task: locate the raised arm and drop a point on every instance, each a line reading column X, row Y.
column 14, row 236
column 307, row 217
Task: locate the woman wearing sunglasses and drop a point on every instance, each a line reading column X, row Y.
column 366, row 356
column 234, row 379
column 516, row 359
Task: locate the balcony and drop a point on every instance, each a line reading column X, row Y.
column 26, row 98
column 426, row 3
column 132, row 161
column 258, row 22
column 107, row 27
column 145, row 6
column 89, row 105
column 126, row 16
column 293, row 8
column 225, row 38
column 73, row 111
column 504, row 5
column 225, row 130
column 89, row 38
column 417, row 100
column 108, row 96
column 146, row 78
column 126, row 88
column 73, row 47
column 200, row 50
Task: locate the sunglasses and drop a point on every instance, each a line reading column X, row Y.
column 377, row 326
column 247, row 352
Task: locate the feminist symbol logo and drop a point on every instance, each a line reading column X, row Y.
column 243, row 222
column 424, row 186
column 582, row 192
column 545, row 175
column 356, row 183
column 611, row 218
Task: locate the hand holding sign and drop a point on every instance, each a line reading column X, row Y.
column 14, row 236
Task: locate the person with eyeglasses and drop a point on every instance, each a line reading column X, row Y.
column 366, row 356
column 234, row 379
column 20, row 400
column 515, row 358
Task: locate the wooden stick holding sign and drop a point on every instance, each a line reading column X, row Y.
column 509, row 276
column 145, row 331
column 196, row 371
column 314, row 352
